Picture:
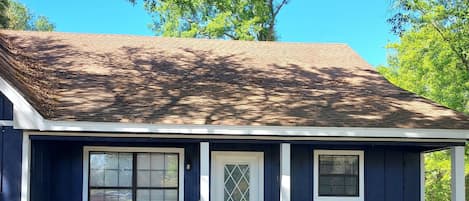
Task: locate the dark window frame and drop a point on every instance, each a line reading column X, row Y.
column 357, row 176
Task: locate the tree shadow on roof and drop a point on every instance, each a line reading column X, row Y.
column 193, row 86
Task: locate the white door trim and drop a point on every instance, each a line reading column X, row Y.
column 222, row 157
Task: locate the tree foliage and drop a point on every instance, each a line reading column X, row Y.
column 422, row 62
column 432, row 60
column 230, row 19
column 19, row 17
column 3, row 17
column 449, row 19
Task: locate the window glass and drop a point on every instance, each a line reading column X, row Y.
column 110, row 169
column 111, row 176
column 339, row 175
column 157, row 170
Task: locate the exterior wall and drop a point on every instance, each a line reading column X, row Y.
column 391, row 173
column 10, row 155
column 392, row 169
column 6, row 108
column 56, row 166
column 11, row 150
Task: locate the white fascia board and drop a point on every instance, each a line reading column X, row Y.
column 27, row 118
column 288, row 131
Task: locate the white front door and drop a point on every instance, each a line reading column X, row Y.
column 237, row 176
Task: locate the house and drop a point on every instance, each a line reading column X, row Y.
column 89, row 117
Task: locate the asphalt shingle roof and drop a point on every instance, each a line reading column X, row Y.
column 120, row 78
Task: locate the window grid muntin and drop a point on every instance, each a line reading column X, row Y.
column 134, row 187
column 357, row 176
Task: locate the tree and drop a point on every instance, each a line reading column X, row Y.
column 43, row 24
column 424, row 63
column 450, row 20
column 20, row 18
column 3, row 17
column 229, row 19
column 431, row 59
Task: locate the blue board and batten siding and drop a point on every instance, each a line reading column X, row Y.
column 391, row 173
column 6, row 108
column 10, row 155
column 56, row 166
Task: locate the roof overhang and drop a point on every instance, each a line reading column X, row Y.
column 26, row 117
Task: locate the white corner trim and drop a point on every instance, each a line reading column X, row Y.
column 204, row 171
column 361, row 173
column 88, row 149
column 285, row 172
column 422, row 176
column 458, row 190
column 25, row 168
column 26, row 117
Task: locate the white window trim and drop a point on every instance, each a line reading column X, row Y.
column 88, row 149
column 361, row 182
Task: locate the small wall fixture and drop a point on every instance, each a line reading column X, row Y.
column 188, row 165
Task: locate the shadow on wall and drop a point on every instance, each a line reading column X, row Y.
column 195, row 86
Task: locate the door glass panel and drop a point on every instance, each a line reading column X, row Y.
column 236, row 178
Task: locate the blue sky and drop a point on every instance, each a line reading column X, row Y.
column 359, row 23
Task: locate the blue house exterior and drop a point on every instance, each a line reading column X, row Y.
column 45, row 159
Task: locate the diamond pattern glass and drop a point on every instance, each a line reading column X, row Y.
column 236, row 178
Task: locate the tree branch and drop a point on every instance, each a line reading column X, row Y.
column 277, row 9
column 231, row 36
column 457, row 51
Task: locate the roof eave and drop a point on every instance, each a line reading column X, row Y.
column 26, row 117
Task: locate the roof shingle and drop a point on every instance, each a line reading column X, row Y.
column 118, row 78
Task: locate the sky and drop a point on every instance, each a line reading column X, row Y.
column 359, row 23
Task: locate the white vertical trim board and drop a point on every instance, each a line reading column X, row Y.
column 25, row 168
column 458, row 190
column 285, row 172
column 422, row 176
column 88, row 149
column 204, row 171
column 361, row 173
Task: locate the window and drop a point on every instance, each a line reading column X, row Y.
column 133, row 174
column 338, row 175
